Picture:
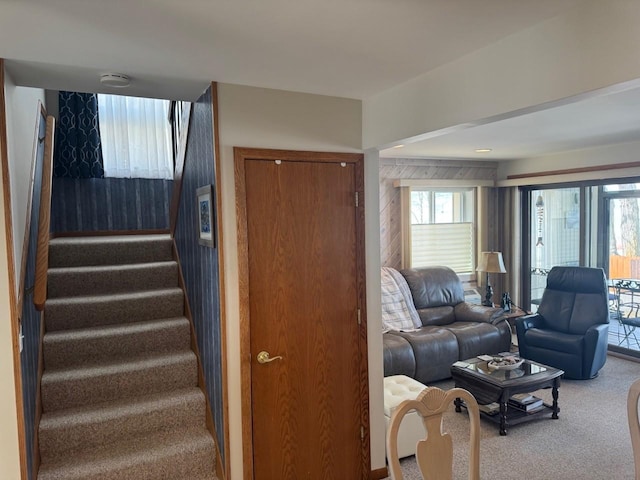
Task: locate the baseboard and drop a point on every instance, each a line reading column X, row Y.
column 220, row 471
column 379, row 474
column 631, row 358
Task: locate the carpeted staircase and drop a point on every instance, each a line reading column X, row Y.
column 120, row 393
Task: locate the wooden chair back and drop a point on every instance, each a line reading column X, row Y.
column 434, row 454
column 634, row 424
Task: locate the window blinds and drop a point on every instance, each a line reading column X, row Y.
column 447, row 244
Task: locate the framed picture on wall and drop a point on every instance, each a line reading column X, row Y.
column 206, row 216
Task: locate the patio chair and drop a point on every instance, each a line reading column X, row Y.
column 434, row 454
column 628, row 311
column 571, row 327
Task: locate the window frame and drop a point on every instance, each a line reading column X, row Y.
column 409, row 185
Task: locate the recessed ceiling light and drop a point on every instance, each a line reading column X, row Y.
column 483, row 150
column 399, row 146
column 117, row 80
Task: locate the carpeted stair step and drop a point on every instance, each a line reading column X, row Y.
column 81, row 312
column 89, row 346
column 85, row 429
column 75, row 387
column 105, row 279
column 109, row 250
column 180, row 455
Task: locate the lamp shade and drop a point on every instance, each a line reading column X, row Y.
column 491, row 262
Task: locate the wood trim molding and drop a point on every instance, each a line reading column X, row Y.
column 221, row 279
column 179, row 172
column 4, row 168
column 379, row 474
column 296, row 155
column 621, row 175
column 44, row 220
column 42, row 113
column 243, row 297
column 242, row 154
column 569, row 171
column 362, row 299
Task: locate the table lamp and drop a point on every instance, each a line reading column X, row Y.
column 490, row 262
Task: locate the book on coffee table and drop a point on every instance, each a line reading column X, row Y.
column 523, row 397
column 525, row 402
column 490, row 408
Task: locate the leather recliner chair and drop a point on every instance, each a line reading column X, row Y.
column 570, row 329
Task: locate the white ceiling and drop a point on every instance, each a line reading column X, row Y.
column 346, row 48
column 174, row 48
column 602, row 118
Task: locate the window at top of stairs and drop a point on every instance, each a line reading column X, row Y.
column 136, row 137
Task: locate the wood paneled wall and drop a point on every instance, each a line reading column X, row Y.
column 108, row 204
column 31, row 319
column 406, row 168
column 200, row 263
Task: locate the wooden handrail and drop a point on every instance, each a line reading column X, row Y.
column 44, row 220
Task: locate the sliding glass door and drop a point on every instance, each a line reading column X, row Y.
column 621, row 256
column 590, row 224
column 555, row 233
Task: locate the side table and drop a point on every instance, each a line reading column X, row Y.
column 516, row 312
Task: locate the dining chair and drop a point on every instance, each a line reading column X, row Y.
column 634, row 424
column 434, row 454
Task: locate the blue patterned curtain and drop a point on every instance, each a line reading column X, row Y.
column 78, row 152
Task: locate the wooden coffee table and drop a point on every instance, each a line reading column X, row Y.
column 489, row 386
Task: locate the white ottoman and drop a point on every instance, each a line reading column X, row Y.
column 397, row 389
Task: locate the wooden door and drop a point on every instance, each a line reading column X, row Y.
column 304, row 300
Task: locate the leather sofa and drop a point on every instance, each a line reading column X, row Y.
column 451, row 329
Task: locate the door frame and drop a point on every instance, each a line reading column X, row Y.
column 241, row 155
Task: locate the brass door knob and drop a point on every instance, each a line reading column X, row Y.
column 263, row 357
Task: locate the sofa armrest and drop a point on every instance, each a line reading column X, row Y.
column 522, row 325
column 470, row 312
column 595, row 346
column 526, row 322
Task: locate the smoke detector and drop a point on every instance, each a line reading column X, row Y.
column 117, row 80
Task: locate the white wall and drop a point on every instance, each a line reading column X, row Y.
column 262, row 118
column 22, row 115
column 9, row 452
column 592, row 46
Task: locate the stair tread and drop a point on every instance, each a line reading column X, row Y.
column 102, row 239
column 101, row 331
column 123, row 455
column 116, row 366
column 74, row 431
column 101, row 412
column 112, row 296
column 115, row 266
column 109, row 250
column 95, row 344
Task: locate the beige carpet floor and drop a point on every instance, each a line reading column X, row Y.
column 590, row 440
